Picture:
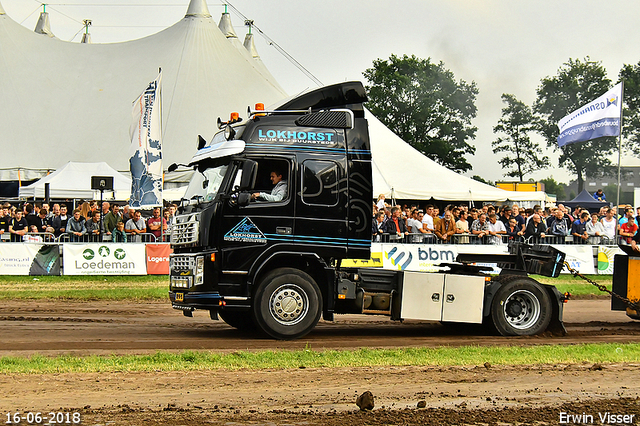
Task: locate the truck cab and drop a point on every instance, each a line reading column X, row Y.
column 229, row 246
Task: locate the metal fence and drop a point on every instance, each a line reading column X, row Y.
column 492, row 239
column 46, row 237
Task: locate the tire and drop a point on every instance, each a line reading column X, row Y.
column 242, row 320
column 521, row 307
column 287, row 304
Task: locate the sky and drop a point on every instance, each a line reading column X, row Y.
column 504, row 46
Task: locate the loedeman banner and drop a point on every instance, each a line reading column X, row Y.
column 29, row 259
column 158, row 259
column 146, row 147
column 597, row 119
column 104, row 259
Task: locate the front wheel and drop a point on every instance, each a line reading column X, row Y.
column 521, row 307
column 287, row 304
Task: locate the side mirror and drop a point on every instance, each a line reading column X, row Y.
column 249, row 173
column 244, row 198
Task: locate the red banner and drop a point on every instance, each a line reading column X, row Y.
column 158, row 259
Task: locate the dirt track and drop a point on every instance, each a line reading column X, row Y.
column 452, row 395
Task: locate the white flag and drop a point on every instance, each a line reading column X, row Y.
column 596, row 119
column 146, row 147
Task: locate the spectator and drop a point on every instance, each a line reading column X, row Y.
column 609, row 225
column 85, row 211
column 18, row 227
column 513, row 230
column 462, row 228
column 595, row 230
column 629, row 228
column 32, row 236
column 446, row 227
column 579, row 228
column 118, row 234
column 5, row 220
column 126, row 215
column 395, row 226
column 111, row 219
column 559, row 226
column 480, row 227
column 427, row 219
column 156, row 224
column 638, row 216
column 42, row 223
column 380, row 202
column 599, row 195
column 516, row 213
column 93, row 226
column 31, row 216
column 414, row 223
column 106, row 208
column 55, row 211
column 59, row 223
column 627, row 217
column 505, row 216
column 76, row 226
column 536, row 228
column 377, row 227
column 496, row 229
column 473, row 216
column 135, row 226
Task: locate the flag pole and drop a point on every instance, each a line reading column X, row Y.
column 619, row 147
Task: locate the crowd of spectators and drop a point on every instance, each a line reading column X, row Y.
column 490, row 224
column 37, row 222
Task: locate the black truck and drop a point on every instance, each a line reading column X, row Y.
column 273, row 262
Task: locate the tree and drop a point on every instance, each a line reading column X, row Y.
column 522, row 155
column 423, row 104
column 553, row 187
column 577, row 83
column 481, row 179
column 631, row 111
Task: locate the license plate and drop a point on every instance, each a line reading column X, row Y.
column 179, row 297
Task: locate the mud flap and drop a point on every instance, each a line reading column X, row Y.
column 556, row 326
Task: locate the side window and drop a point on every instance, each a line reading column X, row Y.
column 272, row 183
column 320, row 182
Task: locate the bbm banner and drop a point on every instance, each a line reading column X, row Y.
column 104, row 259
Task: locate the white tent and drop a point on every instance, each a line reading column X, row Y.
column 66, row 101
column 74, row 181
column 400, row 171
column 72, row 102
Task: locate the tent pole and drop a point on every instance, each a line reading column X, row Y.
column 619, row 156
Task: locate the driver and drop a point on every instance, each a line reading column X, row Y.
column 278, row 192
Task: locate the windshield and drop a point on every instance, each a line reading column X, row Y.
column 204, row 186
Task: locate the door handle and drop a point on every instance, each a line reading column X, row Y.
column 283, row 230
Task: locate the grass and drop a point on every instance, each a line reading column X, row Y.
column 308, row 358
column 95, row 287
column 577, row 286
column 155, row 287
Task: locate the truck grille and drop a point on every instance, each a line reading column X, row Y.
column 185, row 230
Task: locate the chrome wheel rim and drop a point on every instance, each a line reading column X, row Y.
column 521, row 309
column 288, row 304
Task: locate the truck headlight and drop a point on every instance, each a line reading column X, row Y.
column 199, row 275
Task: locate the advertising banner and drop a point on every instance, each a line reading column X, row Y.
column 29, row 259
column 424, row 257
column 158, row 259
column 605, row 259
column 579, row 256
column 104, row 259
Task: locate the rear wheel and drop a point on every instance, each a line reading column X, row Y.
column 287, row 304
column 242, row 320
column 521, row 307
